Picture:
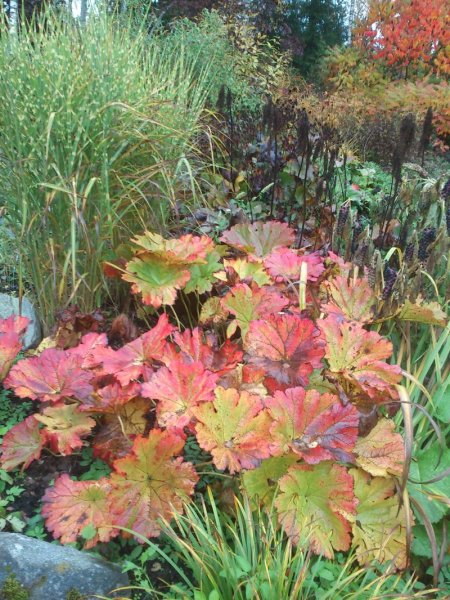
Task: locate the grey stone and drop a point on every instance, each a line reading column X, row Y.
column 50, row 571
column 9, row 305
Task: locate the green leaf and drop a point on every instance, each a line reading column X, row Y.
column 315, row 504
column 88, row 532
column 261, row 483
column 202, row 276
column 433, row 497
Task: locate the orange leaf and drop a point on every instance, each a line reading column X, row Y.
column 70, row 506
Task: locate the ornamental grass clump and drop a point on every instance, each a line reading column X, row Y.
column 96, row 133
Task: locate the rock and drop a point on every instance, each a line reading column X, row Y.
column 9, row 305
column 50, row 572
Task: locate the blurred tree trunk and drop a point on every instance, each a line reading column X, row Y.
column 83, row 12
column 27, row 8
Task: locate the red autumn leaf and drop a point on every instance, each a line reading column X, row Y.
column 64, row 426
column 133, row 359
column 350, row 301
column 234, row 428
column 10, row 346
column 92, row 350
column 22, row 444
column 151, row 483
column 355, row 358
column 11, row 332
column 178, row 388
column 251, row 303
column 119, row 427
column 287, row 263
column 259, row 239
column 110, row 398
column 288, row 347
column 14, row 324
column 70, row 506
column 195, row 346
column 314, row 506
column 316, row 427
column 50, row 377
column 245, row 378
column 109, row 443
column 338, row 266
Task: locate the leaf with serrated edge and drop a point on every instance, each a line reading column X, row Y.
column 178, row 388
column 316, row 427
column 261, row 483
column 212, row 312
column 14, row 324
column 287, row 264
column 187, row 249
column 288, row 347
column 64, row 426
column 157, row 280
column 314, row 506
column 70, row 506
column 259, row 239
column 248, row 304
column 119, row 428
column 151, row 483
column 22, row 444
column 130, row 362
column 234, row 429
column 379, row 526
column 382, row 452
column 195, row 346
column 50, row 377
column 248, row 270
column 356, row 357
column 353, row 301
column 202, row 276
column 10, row 346
column 430, row 313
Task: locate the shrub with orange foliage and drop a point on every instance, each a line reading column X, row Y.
column 410, row 35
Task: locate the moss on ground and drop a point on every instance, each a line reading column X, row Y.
column 12, row 589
